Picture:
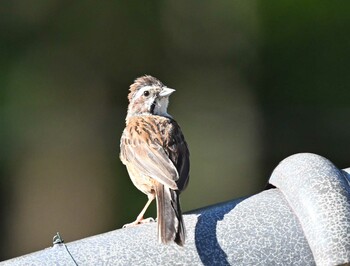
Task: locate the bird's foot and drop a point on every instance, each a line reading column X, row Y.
column 139, row 221
column 147, row 220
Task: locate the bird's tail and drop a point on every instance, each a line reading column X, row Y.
column 170, row 223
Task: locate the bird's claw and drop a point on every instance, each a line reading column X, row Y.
column 137, row 222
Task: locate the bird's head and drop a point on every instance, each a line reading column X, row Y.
column 148, row 96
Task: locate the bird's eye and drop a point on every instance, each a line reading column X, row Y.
column 146, row 93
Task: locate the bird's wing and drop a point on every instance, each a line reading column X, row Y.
column 146, row 153
column 178, row 152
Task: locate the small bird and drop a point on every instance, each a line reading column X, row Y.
column 156, row 155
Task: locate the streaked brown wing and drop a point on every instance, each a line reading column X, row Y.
column 146, row 153
column 177, row 150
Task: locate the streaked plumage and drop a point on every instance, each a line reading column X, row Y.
column 156, row 155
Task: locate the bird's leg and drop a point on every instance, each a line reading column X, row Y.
column 139, row 219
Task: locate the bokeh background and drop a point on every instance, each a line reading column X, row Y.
column 256, row 82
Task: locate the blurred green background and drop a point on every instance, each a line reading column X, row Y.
column 256, row 81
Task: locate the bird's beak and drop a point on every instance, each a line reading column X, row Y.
column 166, row 92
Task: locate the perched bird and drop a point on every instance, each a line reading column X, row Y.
column 156, row 155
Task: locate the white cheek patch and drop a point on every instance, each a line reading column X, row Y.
column 162, row 106
column 147, row 101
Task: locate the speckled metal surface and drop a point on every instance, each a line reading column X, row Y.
column 259, row 230
column 319, row 195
